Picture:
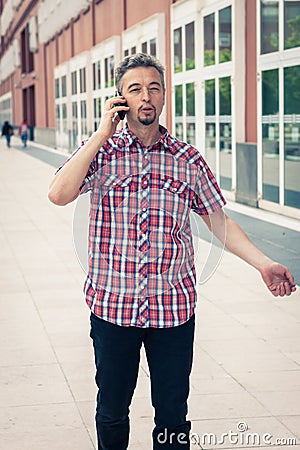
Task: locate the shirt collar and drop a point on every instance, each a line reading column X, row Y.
column 129, row 137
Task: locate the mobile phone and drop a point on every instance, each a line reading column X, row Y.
column 121, row 113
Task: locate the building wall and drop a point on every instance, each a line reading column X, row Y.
column 109, row 19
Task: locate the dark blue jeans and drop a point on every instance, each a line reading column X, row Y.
column 8, row 137
column 169, row 354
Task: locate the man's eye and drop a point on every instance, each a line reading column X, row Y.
column 135, row 90
column 154, row 89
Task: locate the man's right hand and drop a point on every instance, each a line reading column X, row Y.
column 110, row 119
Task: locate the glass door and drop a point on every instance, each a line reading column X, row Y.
column 292, row 136
column 270, row 135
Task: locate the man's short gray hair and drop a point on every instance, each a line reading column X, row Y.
column 138, row 60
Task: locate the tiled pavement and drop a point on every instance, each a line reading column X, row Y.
column 246, row 370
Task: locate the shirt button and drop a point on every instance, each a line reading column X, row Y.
column 144, row 209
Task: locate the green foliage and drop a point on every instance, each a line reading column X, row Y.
column 291, row 90
column 294, row 39
column 270, row 92
column 225, row 55
column 225, row 96
column 190, row 64
column 209, row 57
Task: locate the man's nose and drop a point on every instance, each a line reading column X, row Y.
column 145, row 94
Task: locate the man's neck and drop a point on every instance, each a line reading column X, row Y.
column 148, row 134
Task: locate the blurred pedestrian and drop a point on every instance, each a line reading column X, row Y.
column 141, row 285
column 7, row 131
column 23, row 132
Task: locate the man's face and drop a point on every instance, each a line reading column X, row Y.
column 144, row 93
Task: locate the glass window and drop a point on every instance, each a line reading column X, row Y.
column 191, row 133
column 57, row 88
column 109, row 65
column 94, row 77
column 209, row 40
column 83, row 117
column 178, row 50
column 179, row 130
column 270, row 135
column 64, row 118
column 144, row 47
column 126, row 52
column 83, row 109
column 112, row 68
column 133, row 50
column 153, row 47
column 269, row 26
column 97, row 75
column 225, row 35
column 210, row 145
column 74, row 124
column 82, row 80
column 210, row 97
column 291, row 90
column 178, row 101
column 291, row 24
column 225, row 155
column 97, row 112
column 225, row 133
column 190, row 46
column 64, row 86
column 57, row 108
column 74, row 82
column 270, row 92
column 292, row 136
column 106, row 72
column 74, row 111
column 179, row 111
column 225, row 96
column 190, row 99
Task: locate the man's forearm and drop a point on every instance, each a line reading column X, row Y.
column 235, row 239
column 66, row 183
column 238, row 243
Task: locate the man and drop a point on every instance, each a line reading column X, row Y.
column 141, row 280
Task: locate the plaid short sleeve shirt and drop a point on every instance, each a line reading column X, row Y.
column 141, row 257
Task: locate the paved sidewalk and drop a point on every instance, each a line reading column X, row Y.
column 247, row 352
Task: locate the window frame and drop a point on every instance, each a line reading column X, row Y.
column 107, row 49
column 279, row 60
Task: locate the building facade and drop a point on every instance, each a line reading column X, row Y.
column 232, row 77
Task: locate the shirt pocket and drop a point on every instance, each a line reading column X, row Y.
column 116, row 189
column 176, row 188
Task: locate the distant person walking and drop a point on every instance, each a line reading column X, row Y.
column 23, row 132
column 7, row 131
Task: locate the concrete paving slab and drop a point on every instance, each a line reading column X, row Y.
column 232, row 433
column 43, row 427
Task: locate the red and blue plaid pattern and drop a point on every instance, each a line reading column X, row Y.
column 141, row 256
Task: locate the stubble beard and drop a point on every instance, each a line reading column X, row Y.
column 148, row 120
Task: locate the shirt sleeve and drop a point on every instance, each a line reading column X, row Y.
column 208, row 197
column 88, row 181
